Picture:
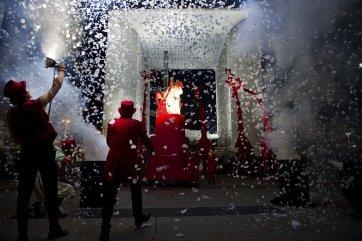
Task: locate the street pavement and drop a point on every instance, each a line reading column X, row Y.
column 232, row 209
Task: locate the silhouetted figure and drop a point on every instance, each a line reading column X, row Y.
column 68, row 146
column 30, row 127
column 121, row 166
column 65, row 186
column 161, row 103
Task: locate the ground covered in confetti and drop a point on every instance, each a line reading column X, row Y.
column 231, row 209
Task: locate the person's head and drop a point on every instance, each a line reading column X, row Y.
column 127, row 108
column 159, row 97
column 178, row 84
column 68, row 145
column 16, row 92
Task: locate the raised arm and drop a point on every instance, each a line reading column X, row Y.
column 57, row 84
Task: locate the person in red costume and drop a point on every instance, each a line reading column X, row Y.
column 121, row 166
column 161, row 103
column 30, row 127
column 68, row 146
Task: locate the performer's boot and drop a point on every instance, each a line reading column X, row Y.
column 142, row 219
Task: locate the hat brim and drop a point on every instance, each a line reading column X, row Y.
column 123, row 111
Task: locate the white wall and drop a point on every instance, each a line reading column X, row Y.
column 246, row 65
column 124, row 63
column 223, row 103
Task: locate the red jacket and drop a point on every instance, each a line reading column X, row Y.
column 29, row 124
column 123, row 135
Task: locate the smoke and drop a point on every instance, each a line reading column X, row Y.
column 35, row 29
column 310, row 83
column 66, row 106
column 57, row 24
column 66, row 114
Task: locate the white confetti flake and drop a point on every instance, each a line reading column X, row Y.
column 295, row 224
column 183, row 211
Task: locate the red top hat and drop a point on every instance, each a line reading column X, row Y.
column 15, row 91
column 127, row 108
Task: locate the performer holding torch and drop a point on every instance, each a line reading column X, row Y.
column 30, row 127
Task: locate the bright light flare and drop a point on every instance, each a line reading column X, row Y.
column 173, row 105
